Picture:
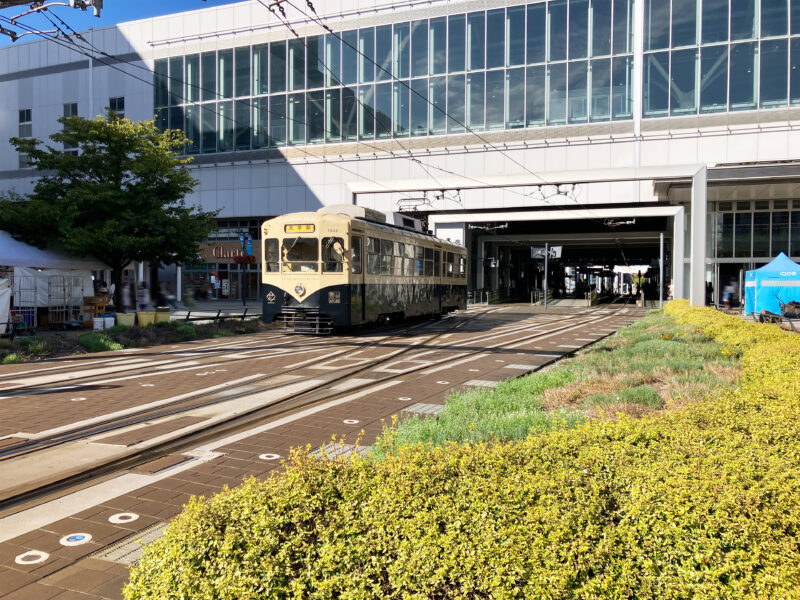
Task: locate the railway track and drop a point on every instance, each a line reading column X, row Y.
column 278, row 408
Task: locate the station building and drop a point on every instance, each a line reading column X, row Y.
column 609, row 128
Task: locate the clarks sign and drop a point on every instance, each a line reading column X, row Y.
column 223, row 252
column 226, row 252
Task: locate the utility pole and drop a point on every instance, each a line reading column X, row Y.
column 661, row 272
column 546, row 256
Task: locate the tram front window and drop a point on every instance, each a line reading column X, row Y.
column 332, row 254
column 271, row 255
column 300, row 254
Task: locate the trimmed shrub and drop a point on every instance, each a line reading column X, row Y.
column 702, row 502
column 11, row 359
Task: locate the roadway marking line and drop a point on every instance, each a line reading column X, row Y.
column 39, row 516
column 586, row 339
column 571, row 347
column 522, row 367
column 68, row 364
column 127, row 411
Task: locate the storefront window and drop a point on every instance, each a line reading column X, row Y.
column 724, row 235
column 795, row 247
column 761, row 230
column 744, row 227
column 780, row 233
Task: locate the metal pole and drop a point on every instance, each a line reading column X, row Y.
column 661, row 272
column 546, row 254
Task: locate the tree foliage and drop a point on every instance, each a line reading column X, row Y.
column 119, row 198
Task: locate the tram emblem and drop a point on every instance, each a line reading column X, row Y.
column 271, row 297
column 334, row 297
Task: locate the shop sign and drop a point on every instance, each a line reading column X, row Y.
column 223, row 252
column 229, row 252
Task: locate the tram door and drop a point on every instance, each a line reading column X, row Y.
column 358, row 305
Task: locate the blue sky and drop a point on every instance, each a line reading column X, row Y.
column 114, row 11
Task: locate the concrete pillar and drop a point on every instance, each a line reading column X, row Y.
column 179, row 283
column 678, row 224
column 697, row 285
column 494, row 283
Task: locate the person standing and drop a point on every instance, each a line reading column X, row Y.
column 143, row 296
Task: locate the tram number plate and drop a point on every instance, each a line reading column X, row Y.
column 334, row 297
column 299, row 228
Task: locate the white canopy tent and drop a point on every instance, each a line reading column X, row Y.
column 45, row 278
column 14, row 253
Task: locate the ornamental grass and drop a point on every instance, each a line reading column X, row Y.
column 699, row 502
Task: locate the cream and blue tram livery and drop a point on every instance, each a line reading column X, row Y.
column 344, row 266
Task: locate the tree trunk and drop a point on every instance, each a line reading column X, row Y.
column 155, row 289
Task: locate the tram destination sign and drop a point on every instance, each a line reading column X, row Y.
column 552, row 252
column 299, row 228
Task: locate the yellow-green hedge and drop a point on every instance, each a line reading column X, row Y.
column 700, row 503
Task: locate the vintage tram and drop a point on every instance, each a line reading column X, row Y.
column 345, row 266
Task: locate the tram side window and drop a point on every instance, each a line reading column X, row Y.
column 462, row 266
column 437, row 259
column 419, row 260
column 332, row 254
column 449, row 265
column 386, row 257
column 271, row 255
column 428, row 262
column 356, row 259
column 300, row 254
column 373, row 256
column 397, row 259
column 408, row 261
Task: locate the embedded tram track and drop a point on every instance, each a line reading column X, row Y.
column 278, row 409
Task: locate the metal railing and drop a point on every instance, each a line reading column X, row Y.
column 479, row 297
column 537, row 296
column 218, row 317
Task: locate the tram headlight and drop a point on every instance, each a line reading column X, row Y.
column 299, row 290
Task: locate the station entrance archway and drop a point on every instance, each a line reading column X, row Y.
column 608, row 259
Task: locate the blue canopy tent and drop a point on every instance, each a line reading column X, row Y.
column 772, row 285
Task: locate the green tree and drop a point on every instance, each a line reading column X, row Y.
column 119, row 198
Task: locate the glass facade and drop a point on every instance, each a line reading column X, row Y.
column 705, row 56
column 759, row 229
column 549, row 63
